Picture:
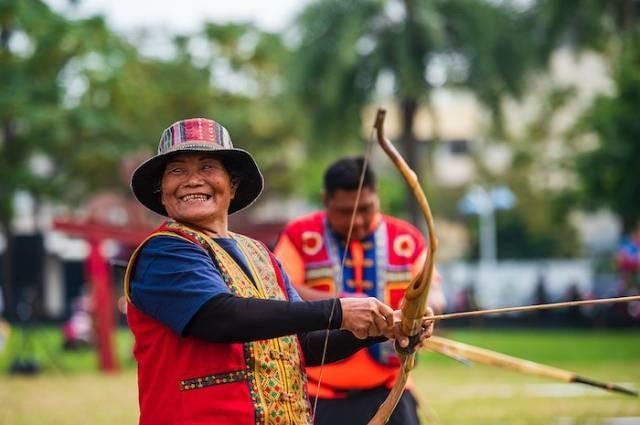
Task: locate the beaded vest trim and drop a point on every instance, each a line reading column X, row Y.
column 274, row 370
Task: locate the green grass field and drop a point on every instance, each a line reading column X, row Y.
column 69, row 391
column 484, row 395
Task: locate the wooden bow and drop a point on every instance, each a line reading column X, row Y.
column 414, row 303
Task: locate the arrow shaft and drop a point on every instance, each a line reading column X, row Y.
column 492, row 358
column 481, row 355
column 535, row 307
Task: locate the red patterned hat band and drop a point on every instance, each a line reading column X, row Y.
column 188, row 133
column 197, row 135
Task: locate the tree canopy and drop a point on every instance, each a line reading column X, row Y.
column 609, row 172
column 75, row 98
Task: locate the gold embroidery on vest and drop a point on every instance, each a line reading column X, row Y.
column 281, row 382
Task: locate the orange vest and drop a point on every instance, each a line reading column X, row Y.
column 309, row 253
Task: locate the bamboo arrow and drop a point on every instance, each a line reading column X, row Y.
column 481, row 355
column 534, row 307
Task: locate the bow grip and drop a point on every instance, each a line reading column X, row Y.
column 409, row 349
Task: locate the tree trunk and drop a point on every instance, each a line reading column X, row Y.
column 6, row 198
column 6, row 213
column 409, row 107
column 7, row 272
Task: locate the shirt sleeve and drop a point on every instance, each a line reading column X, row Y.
column 172, row 279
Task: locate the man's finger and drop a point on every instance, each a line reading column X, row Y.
column 389, row 318
column 381, row 323
column 403, row 341
column 401, row 338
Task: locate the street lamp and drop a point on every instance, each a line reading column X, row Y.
column 484, row 203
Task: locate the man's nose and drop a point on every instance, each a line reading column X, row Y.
column 359, row 219
column 193, row 178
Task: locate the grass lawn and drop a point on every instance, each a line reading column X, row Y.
column 69, row 391
column 485, row 395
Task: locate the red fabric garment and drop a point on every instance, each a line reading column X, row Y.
column 188, row 381
column 166, row 360
column 357, row 258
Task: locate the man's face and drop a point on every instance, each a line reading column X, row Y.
column 197, row 189
column 340, row 206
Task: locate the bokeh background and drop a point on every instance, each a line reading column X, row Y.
column 521, row 118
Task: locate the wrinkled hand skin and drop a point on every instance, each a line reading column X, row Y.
column 369, row 317
column 365, row 317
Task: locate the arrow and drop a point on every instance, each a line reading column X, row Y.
column 481, row 355
column 534, row 307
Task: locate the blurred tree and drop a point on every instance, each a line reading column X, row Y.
column 608, row 172
column 248, row 70
column 75, row 100
column 36, row 47
column 223, row 71
column 125, row 102
column 346, row 47
column 610, row 28
column 539, row 224
column 581, row 24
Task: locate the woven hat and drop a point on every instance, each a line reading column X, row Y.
column 197, row 135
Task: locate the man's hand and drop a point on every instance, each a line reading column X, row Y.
column 366, row 317
column 402, row 339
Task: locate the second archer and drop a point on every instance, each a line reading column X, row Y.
column 381, row 255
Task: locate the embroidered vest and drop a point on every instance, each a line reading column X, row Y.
column 397, row 246
column 184, row 380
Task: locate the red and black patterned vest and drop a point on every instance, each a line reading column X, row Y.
column 187, row 381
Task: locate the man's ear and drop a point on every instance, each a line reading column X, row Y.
column 234, row 187
column 325, row 199
column 160, row 194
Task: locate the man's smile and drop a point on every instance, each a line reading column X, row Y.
column 195, row 197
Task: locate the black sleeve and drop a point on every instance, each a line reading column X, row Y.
column 227, row 318
column 340, row 345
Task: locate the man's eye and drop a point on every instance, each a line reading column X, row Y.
column 211, row 167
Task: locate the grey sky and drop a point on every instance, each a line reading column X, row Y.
column 184, row 16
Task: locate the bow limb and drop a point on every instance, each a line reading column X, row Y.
column 417, row 292
column 414, row 302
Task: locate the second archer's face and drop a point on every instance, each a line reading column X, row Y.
column 340, row 206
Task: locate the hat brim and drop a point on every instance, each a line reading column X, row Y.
column 145, row 181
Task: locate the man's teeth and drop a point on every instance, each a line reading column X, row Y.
column 195, row 197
